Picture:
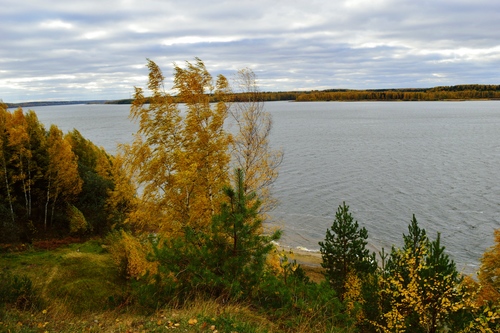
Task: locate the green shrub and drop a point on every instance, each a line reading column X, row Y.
column 77, row 222
column 299, row 303
column 16, row 291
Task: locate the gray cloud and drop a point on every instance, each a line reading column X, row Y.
column 97, row 49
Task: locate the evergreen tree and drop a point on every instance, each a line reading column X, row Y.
column 421, row 288
column 227, row 259
column 344, row 252
column 239, row 250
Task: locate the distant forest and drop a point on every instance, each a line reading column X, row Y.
column 442, row 93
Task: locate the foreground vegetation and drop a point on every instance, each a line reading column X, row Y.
column 191, row 248
column 71, row 285
column 76, row 287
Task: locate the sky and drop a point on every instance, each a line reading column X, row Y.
column 97, row 49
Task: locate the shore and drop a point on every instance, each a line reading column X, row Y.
column 309, row 261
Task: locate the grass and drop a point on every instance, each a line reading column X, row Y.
column 203, row 316
column 78, row 289
column 79, row 277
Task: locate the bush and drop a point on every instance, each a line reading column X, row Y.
column 299, row 304
column 77, row 222
column 16, row 291
column 130, row 254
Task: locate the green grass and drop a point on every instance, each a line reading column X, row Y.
column 78, row 277
column 78, row 288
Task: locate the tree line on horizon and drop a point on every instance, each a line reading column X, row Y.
column 440, row 93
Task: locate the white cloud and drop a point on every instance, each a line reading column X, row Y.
column 291, row 45
column 56, row 24
column 197, row 39
column 100, row 34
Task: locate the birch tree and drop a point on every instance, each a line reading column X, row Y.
column 62, row 172
column 252, row 152
column 5, row 118
column 179, row 161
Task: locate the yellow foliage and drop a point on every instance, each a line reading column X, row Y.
column 130, row 253
column 431, row 298
column 63, row 167
column 273, row 261
column 287, row 263
column 180, row 161
column 489, row 273
column 353, row 297
column 122, row 198
column 63, row 179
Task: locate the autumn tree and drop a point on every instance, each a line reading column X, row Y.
column 179, row 161
column 5, row 172
column 63, row 180
column 42, row 173
column 252, row 152
column 26, row 140
column 489, row 273
column 122, row 197
column 344, row 253
column 205, row 141
column 20, row 160
column 35, row 164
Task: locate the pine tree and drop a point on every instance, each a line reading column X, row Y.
column 344, row 251
column 227, row 259
column 239, row 249
column 94, row 168
column 420, row 286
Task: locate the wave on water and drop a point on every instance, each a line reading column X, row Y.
column 298, row 248
column 305, row 249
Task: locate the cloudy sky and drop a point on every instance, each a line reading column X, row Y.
column 86, row 49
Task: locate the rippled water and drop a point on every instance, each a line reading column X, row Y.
column 387, row 161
